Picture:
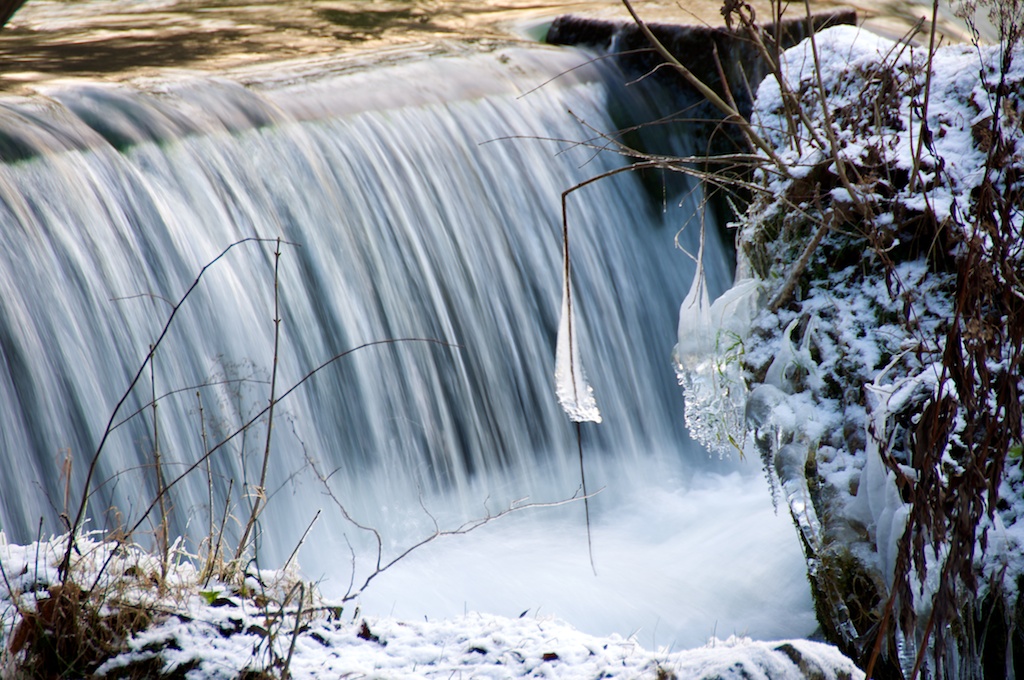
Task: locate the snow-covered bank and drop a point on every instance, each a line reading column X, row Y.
column 278, row 625
column 870, row 353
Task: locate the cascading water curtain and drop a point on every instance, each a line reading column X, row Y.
column 414, row 202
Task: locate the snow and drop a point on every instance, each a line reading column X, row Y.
column 216, row 630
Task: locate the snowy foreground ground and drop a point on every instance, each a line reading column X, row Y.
column 212, row 631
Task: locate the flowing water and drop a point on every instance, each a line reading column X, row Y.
column 419, row 202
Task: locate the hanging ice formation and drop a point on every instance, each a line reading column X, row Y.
column 575, row 394
column 707, row 359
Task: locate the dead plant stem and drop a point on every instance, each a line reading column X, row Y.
column 260, row 495
column 782, row 297
column 163, row 529
column 923, row 131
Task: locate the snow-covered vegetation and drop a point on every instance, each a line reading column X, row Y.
column 870, row 352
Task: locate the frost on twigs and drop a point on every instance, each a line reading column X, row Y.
column 574, row 393
column 707, row 360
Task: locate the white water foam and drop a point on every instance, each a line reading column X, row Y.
column 678, row 560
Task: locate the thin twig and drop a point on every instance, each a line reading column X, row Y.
column 163, row 532
column 261, row 491
column 465, row 528
column 586, row 501
column 782, row 297
column 302, row 540
column 286, row 669
column 188, row 388
column 923, row 130
column 209, row 470
column 589, row 62
column 216, row 545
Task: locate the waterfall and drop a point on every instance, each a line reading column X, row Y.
column 417, row 201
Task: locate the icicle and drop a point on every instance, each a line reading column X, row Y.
column 695, row 335
column 878, row 503
column 574, row 393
